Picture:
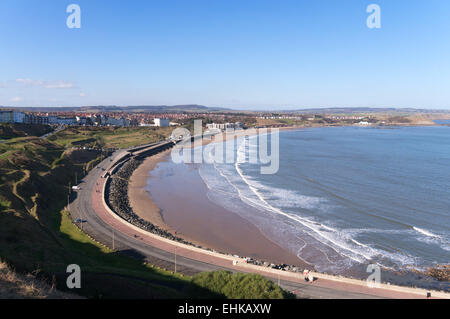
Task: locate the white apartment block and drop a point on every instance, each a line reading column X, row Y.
column 224, row 126
column 11, row 117
column 162, row 122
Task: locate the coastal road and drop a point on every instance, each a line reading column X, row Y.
column 86, row 204
column 81, row 207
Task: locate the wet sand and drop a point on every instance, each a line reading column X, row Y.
column 175, row 199
column 140, row 199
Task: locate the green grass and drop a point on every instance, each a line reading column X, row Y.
column 104, row 257
column 4, row 205
column 37, row 235
column 96, row 258
column 12, row 131
column 240, row 286
column 109, row 137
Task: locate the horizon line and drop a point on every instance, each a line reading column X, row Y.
column 219, row 108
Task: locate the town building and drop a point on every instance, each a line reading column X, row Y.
column 224, row 126
column 12, row 117
column 35, row 119
column 160, row 122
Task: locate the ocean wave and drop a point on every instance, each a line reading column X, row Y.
column 425, row 232
column 313, row 226
column 416, row 233
column 431, row 238
column 329, row 247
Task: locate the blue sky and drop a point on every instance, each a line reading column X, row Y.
column 242, row 54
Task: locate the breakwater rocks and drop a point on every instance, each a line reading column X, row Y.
column 440, row 272
column 117, row 198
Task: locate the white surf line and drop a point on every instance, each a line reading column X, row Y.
column 296, row 218
column 295, row 276
column 301, row 249
column 426, row 232
column 271, row 208
column 440, row 241
column 299, row 219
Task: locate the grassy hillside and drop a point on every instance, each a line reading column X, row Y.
column 37, row 234
column 18, row 286
column 109, row 137
column 9, row 131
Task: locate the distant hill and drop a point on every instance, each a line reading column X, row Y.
column 351, row 110
column 192, row 108
column 136, row 109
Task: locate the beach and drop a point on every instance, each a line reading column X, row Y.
column 213, row 206
column 140, row 199
column 189, row 213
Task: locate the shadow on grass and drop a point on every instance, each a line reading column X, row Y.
column 46, row 245
column 123, row 274
column 50, row 242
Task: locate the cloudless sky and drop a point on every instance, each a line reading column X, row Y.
column 241, row 54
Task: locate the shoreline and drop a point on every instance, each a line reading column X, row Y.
column 332, row 282
column 140, row 199
column 146, row 208
column 211, row 227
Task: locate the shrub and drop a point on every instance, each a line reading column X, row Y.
column 239, row 286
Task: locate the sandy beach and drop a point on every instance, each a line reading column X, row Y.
column 175, row 199
column 140, row 199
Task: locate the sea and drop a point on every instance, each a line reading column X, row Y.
column 343, row 198
column 346, row 196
